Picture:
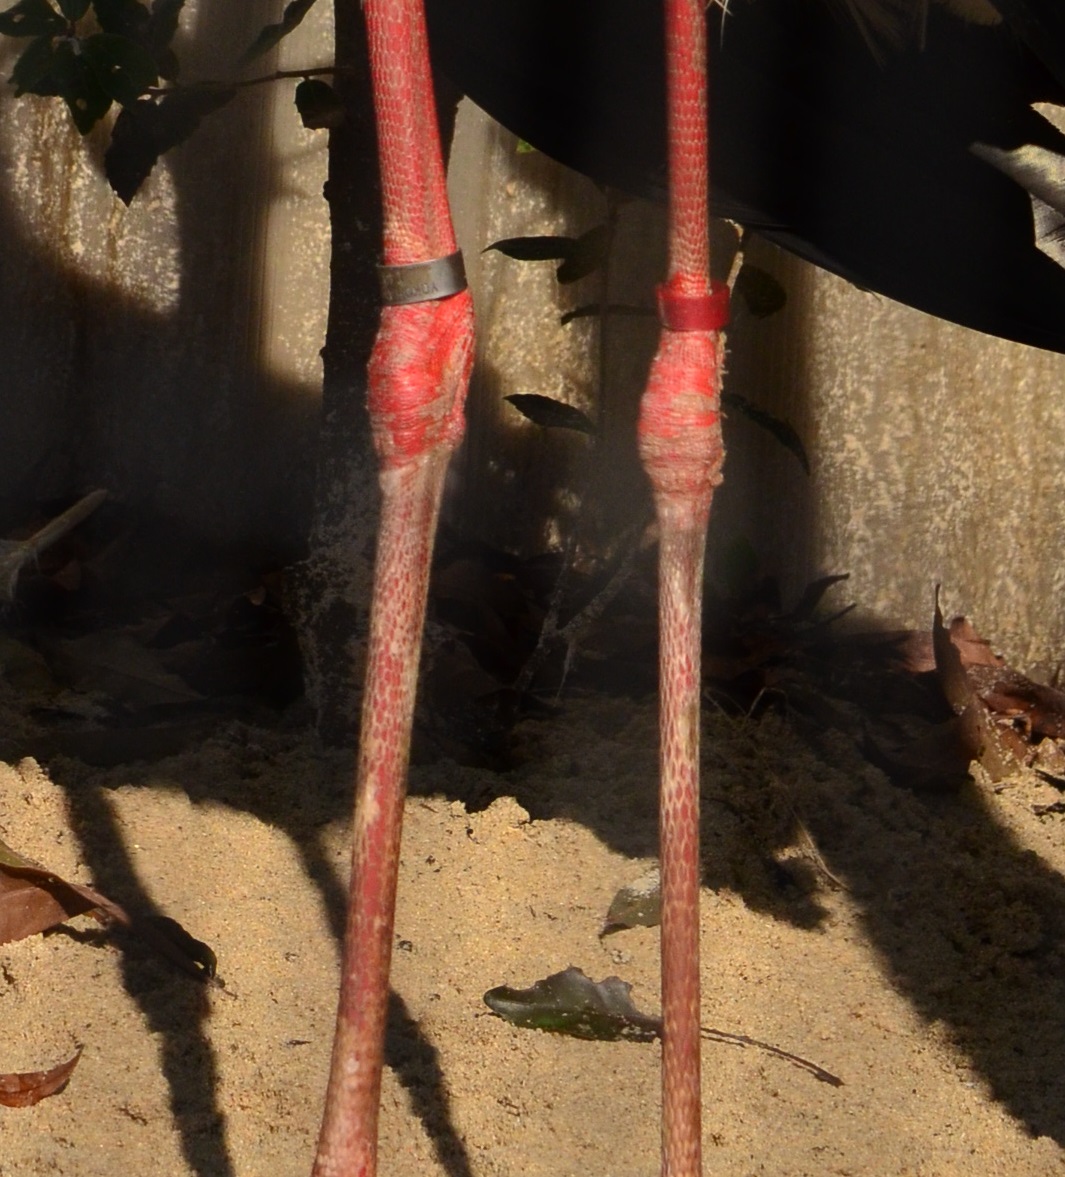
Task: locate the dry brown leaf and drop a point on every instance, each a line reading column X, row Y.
column 30, row 1087
column 974, row 650
column 32, row 899
column 980, row 738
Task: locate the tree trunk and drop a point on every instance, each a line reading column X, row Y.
column 330, row 590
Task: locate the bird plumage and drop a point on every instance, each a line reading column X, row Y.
column 889, row 172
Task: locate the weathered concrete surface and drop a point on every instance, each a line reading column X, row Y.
column 169, row 351
column 936, row 452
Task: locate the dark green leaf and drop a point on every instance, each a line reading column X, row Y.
column 33, row 70
column 812, row 594
column 163, row 24
column 167, row 62
column 86, row 102
column 318, row 105
column 737, row 567
column 123, row 68
column 550, row 413
column 268, row 37
column 588, row 255
column 73, row 9
column 571, row 1003
column 762, row 293
column 126, row 18
column 535, row 249
column 781, row 430
column 579, row 255
column 145, row 130
column 77, row 85
column 31, row 18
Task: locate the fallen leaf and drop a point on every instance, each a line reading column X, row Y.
column 114, row 663
column 1037, row 709
column 636, row 905
column 572, row 1003
column 23, row 1090
column 980, row 739
column 32, row 899
column 974, row 650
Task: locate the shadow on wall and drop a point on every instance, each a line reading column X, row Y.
column 933, row 449
column 140, row 344
column 523, row 487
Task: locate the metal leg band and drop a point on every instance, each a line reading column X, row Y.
column 422, row 281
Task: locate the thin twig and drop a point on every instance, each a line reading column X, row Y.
column 278, row 75
column 15, row 554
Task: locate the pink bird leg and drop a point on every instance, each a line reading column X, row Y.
column 419, row 372
column 682, row 452
column 418, row 375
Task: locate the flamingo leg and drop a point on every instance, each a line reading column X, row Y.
column 682, row 452
column 418, row 374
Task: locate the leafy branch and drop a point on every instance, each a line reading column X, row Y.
column 95, row 54
column 760, row 292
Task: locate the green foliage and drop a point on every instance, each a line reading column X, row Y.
column 96, row 53
column 90, row 53
column 762, row 293
column 125, row 18
column 163, row 23
column 31, row 18
column 581, row 256
column 782, row 430
column 33, row 70
column 123, row 69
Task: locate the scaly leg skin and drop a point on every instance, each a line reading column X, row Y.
column 682, row 452
column 411, row 500
column 418, row 375
column 683, row 468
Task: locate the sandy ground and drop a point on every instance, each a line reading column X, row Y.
column 910, row 944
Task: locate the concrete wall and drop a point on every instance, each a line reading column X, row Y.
column 937, row 456
column 936, row 453
column 170, row 353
